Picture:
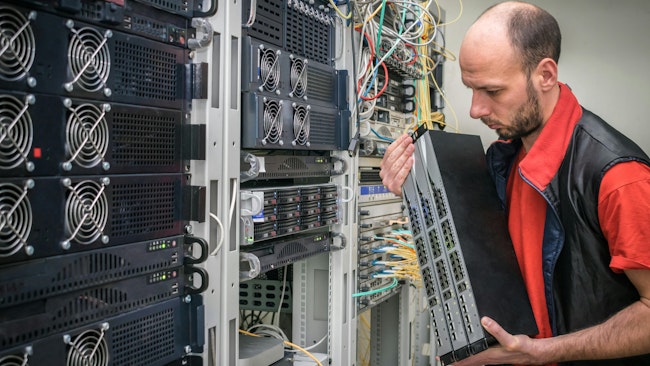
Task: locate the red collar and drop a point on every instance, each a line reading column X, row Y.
column 545, row 156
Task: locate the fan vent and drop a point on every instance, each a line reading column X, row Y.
column 298, row 77
column 272, row 122
column 269, row 69
column 301, row 125
column 88, row 348
column 291, row 250
column 292, row 164
column 16, row 132
column 87, row 135
column 86, row 211
column 89, row 59
column 145, row 340
column 15, row 217
column 142, row 207
column 17, row 44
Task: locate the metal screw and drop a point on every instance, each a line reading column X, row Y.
column 67, row 166
column 31, row 82
column 65, row 244
column 29, row 250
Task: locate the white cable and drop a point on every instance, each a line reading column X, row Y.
column 276, row 329
column 310, row 347
column 220, row 242
column 233, row 201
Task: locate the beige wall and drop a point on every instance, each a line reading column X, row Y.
column 605, row 59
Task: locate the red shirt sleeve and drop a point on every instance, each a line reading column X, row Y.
column 624, row 214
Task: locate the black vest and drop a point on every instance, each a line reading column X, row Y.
column 585, row 290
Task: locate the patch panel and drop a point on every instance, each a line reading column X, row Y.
column 469, row 255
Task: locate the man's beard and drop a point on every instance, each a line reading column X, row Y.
column 526, row 120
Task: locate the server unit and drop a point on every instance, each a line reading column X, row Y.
column 461, row 237
column 96, row 266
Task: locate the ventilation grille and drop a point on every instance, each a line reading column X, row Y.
column 15, row 218
column 87, row 136
column 144, row 140
column 14, row 360
column 272, row 121
column 142, row 208
column 291, row 250
column 293, row 164
column 267, row 31
column 88, row 348
column 16, row 132
column 145, row 72
column 308, row 33
column 86, row 211
column 323, row 128
column 89, row 59
column 322, row 84
column 17, row 44
column 145, row 340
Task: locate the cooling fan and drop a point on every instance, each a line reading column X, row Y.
column 300, row 125
column 16, row 132
column 269, row 69
column 89, row 59
column 17, row 43
column 87, row 135
column 15, row 217
column 17, row 360
column 88, row 348
column 86, row 211
column 272, row 122
column 298, row 77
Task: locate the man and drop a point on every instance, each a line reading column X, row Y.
column 577, row 194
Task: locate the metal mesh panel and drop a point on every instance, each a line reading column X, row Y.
column 142, row 207
column 144, row 139
column 144, row 340
column 145, row 72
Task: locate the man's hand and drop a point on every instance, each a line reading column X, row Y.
column 512, row 349
column 397, row 163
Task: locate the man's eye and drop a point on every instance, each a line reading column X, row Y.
column 492, row 92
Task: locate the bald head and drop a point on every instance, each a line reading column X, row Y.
column 531, row 33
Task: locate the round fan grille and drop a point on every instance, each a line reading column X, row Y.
column 17, row 44
column 301, row 125
column 88, row 349
column 269, row 69
column 272, row 122
column 89, row 59
column 298, row 77
column 13, row 360
column 87, row 135
column 15, row 219
column 16, row 132
column 86, row 212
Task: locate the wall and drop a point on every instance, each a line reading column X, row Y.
column 605, row 53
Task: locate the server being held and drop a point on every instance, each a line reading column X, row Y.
column 577, row 193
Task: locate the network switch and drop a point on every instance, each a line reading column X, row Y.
column 465, row 254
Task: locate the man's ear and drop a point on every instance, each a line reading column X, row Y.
column 546, row 74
